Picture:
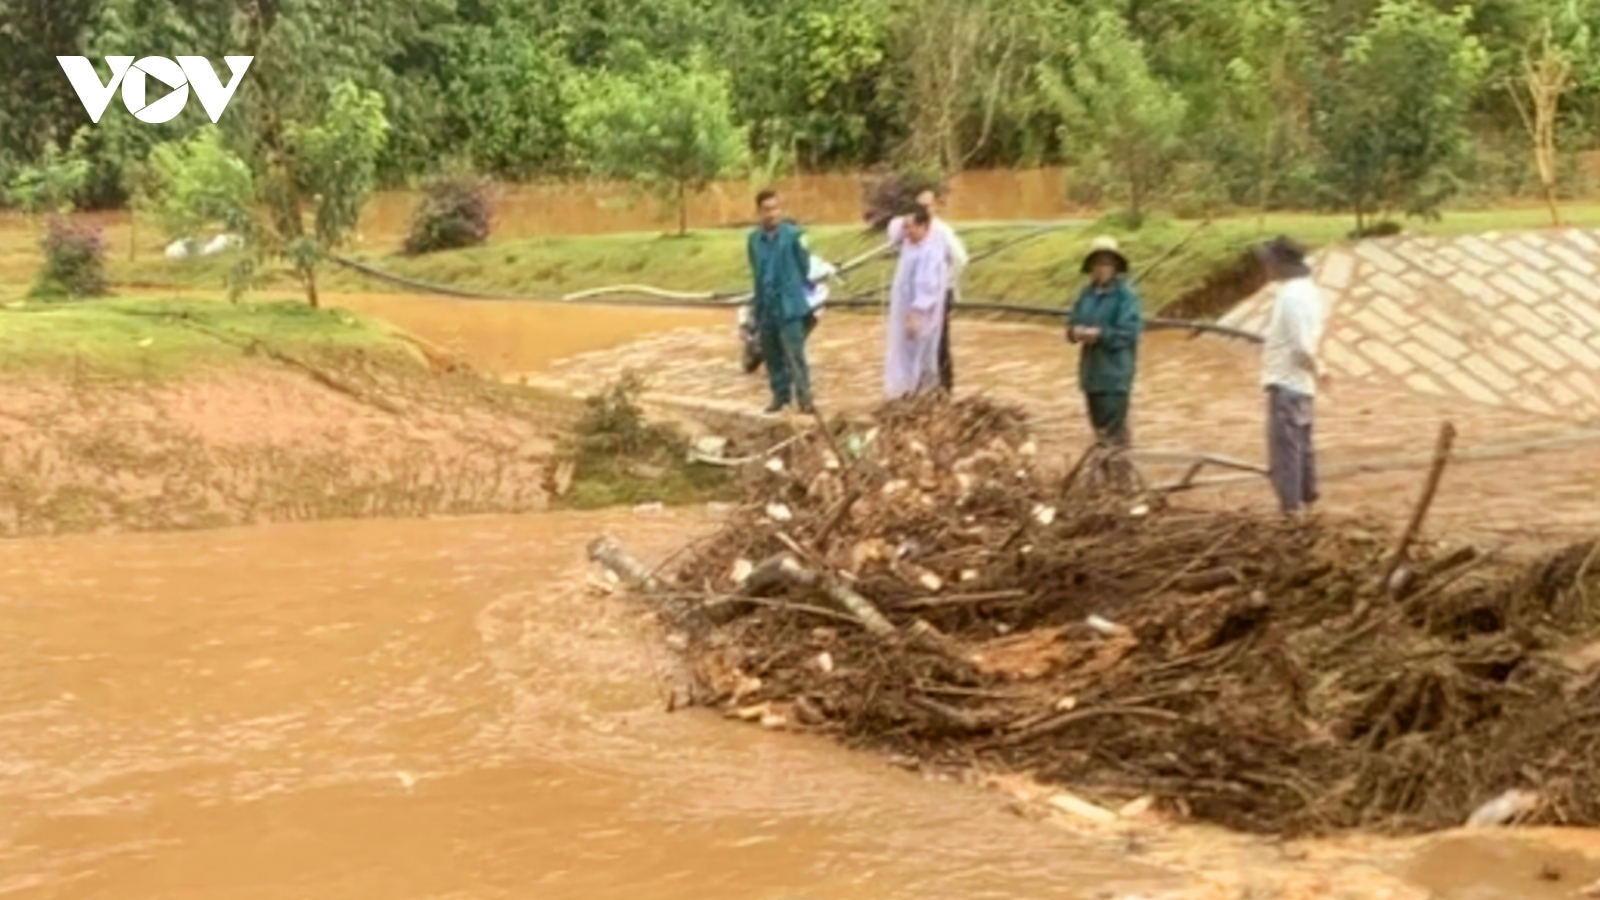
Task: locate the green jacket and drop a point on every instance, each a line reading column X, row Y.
column 1108, row 365
column 779, row 264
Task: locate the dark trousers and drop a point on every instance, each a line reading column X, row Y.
column 1108, row 413
column 947, row 371
column 783, row 344
column 1292, row 458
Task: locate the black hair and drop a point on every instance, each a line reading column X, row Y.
column 1288, row 253
column 764, row 195
column 921, row 216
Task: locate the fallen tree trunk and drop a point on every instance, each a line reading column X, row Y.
column 619, row 562
column 1441, row 456
column 785, row 570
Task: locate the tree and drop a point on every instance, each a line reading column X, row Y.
column 37, row 105
column 958, row 76
column 331, row 166
column 505, row 89
column 1390, row 140
column 669, row 130
column 1265, row 96
column 51, row 184
column 808, row 76
column 1115, row 109
column 195, row 183
column 1555, row 61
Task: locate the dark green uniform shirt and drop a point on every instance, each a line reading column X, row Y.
column 779, row 264
column 1107, row 366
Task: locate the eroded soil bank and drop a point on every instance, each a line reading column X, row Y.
column 257, row 429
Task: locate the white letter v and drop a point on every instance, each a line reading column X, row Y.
column 213, row 96
column 86, row 81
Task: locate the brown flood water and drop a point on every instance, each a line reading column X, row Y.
column 435, row 710
column 507, row 337
column 398, row 710
column 536, row 210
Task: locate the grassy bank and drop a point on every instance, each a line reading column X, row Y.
column 163, row 338
column 1042, row 270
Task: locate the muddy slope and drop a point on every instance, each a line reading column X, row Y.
column 268, row 440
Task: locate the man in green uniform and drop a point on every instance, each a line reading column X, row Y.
column 1106, row 322
column 779, row 264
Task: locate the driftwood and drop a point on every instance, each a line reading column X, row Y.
column 619, row 562
column 1441, row 456
column 1484, row 453
column 784, row 570
column 1209, row 580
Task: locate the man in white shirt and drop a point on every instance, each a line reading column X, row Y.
column 1290, row 373
column 955, row 253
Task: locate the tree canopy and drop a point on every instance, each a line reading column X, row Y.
column 1374, row 106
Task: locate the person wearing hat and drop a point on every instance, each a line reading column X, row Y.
column 1290, row 372
column 1106, row 322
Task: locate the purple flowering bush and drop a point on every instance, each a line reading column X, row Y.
column 74, row 262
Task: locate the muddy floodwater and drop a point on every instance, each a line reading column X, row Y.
column 420, row 710
column 440, row 710
column 505, row 337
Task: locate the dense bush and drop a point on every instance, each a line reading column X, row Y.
column 74, row 262
column 886, row 195
column 454, row 213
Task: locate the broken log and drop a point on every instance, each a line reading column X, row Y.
column 785, row 570
column 1441, row 456
column 1209, row 580
column 619, row 562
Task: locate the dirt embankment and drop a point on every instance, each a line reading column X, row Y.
column 915, row 584
column 266, row 438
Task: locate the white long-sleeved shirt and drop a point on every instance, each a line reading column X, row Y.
column 1294, row 332
column 955, row 252
column 817, row 282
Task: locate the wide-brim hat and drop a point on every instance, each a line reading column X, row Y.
column 1105, row 246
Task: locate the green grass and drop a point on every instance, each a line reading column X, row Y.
column 620, row 458
column 681, row 486
column 1042, row 271
column 161, row 338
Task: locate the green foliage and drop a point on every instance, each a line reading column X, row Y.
column 1391, row 142
column 619, row 457
column 808, row 80
column 1117, row 112
column 52, row 183
column 197, row 183
column 74, row 263
column 335, row 163
column 1269, row 97
column 329, row 164
column 670, row 129
column 1260, row 133
column 506, row 90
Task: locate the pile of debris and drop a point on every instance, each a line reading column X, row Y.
column 914, row 584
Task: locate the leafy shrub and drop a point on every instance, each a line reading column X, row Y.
column 886, row 196
column 615, row 456
column 74, row 262
column 454, row 213
column 1383, row 229
column 613, row 428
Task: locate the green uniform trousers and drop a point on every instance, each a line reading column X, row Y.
column 784, row 346
column 1108, row 413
